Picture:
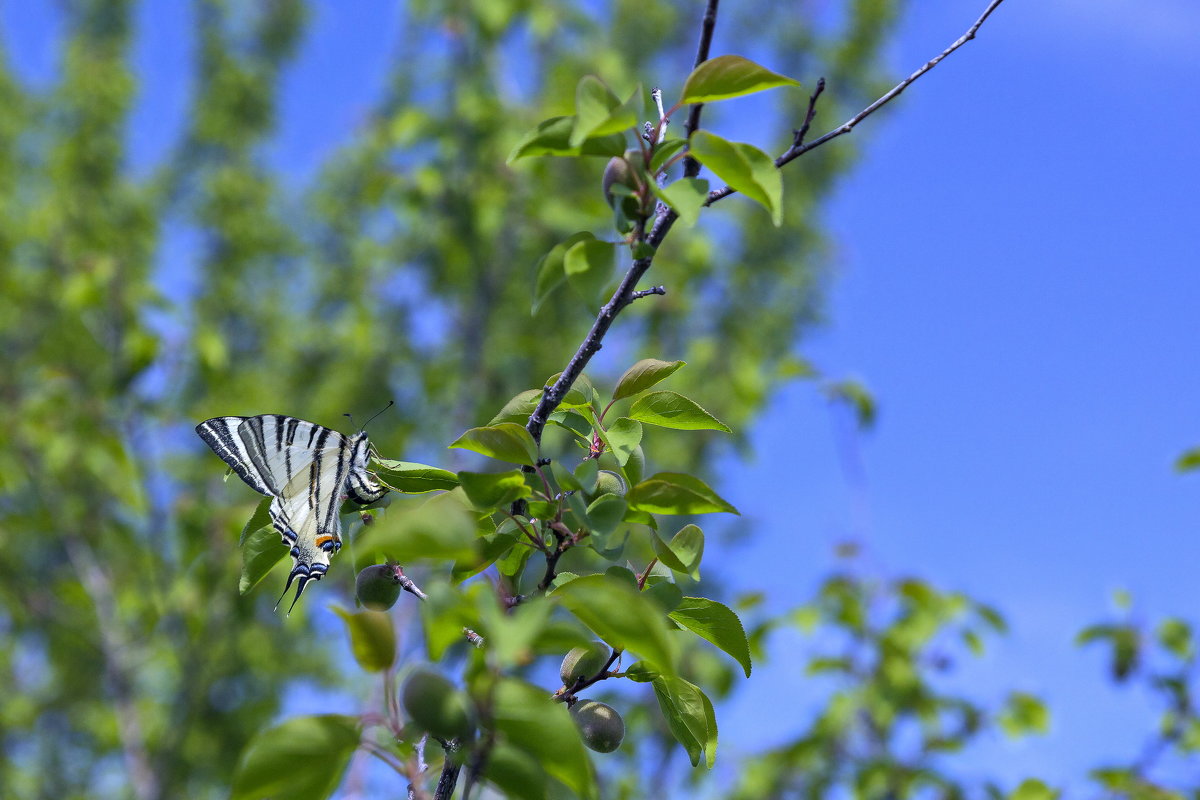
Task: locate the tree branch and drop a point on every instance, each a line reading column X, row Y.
column 691, row 167
column 798, row 148
column 625, row 293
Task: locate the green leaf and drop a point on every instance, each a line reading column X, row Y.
column 686, row 195
column 518, row 409
column 642, row 375
column 730, row 76
column 490, row 548
column 605, row 514
column 620, row 616
column 1033, row 789
column 574, row 422
column 744, row 167
column 718, row 624
column 408, row 477
column 599, row 112
column 259, row 520
column 507, row 441
column 301, row 759
column 710, row 744
column 623, row 437
column 684, row 552
column 682, row 705
column 589, row 267
column 491, row 490
column 261, row 551
column 372, row 638
column 550, row 274
column 1023, row 715
column 673, row 410
column 663, row 152
column 676, row 493
column 854, row 394
column 530, row 721
column 515, row 772
column 641, row 672
column 441, row 529
column 1188, row 461
column 444, row 613
column 552, row 137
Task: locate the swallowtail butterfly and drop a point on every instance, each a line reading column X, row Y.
column 308, row 470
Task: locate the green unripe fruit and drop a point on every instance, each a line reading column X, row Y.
column 377, row 587
column 600, row 726
column 618, row 171
column 436, row 706
column 583, row 662
column 609, row 482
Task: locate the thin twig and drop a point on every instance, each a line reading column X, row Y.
column 407, row 584
column 639, row 294
column 798, row 150
column 798, row 141
column 691, row 167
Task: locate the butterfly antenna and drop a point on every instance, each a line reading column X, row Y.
column 347, row 416
column 377, row 413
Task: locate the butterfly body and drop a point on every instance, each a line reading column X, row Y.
column 307, row 470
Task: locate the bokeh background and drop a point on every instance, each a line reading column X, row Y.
column 218, row 207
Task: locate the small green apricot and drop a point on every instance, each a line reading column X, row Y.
column 377, row 587
column 436, row 706
column 583, row 662
column 600, row 726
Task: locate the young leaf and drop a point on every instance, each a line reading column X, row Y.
column 663, row 152
column 518, row 408
column 675, row 493
column 605, row 514
column 507, row 441
column 744, row 167
column 552, row 137
column 599, row 112
column 718, row 624
column 673, row 410
column 686, row 195
column 408, row 477
column 488, row 491
column 730, row 76
column 301, row 759
column 535, row 724
column 620, row 616
column 260, row 553
column 684, row 551
column 260, row 519
column 589, row 267
column 710, row 743
column 623, row 437
column 642, row 375
column 372, row 638
column 550, row 274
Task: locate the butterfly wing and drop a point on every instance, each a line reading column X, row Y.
column 303, row 467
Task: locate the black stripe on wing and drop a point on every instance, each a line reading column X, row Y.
column 220, row 434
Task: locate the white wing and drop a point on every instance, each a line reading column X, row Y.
column 303, row 466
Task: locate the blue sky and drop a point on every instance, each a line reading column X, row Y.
column 1017, row 283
